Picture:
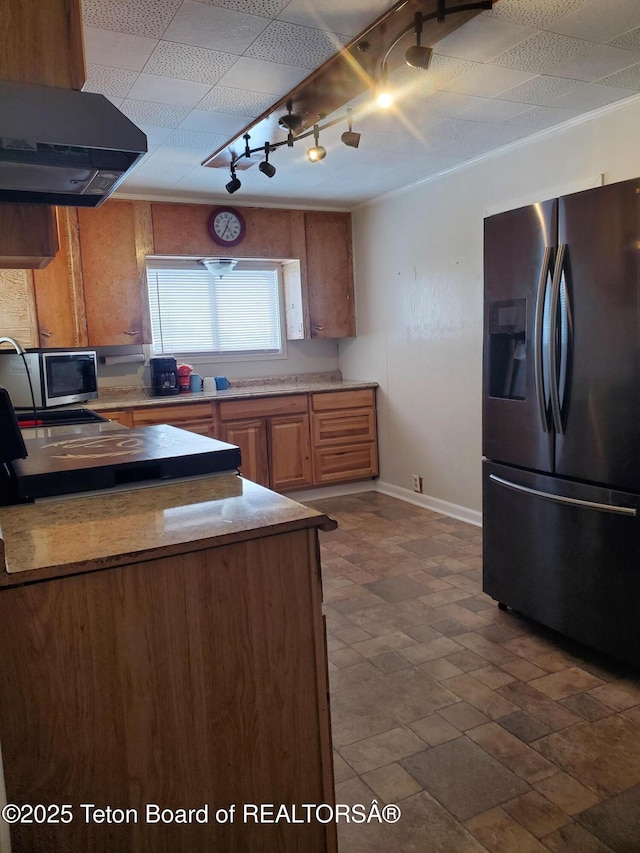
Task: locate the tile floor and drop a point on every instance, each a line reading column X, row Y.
column 490, row 732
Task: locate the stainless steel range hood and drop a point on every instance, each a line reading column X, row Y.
column 63, row 147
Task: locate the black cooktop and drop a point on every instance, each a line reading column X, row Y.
column 56, row 417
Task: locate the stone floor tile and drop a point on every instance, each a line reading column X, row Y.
column 566, row 682
column 463, row 777
column 450, row 628
column 483, row 698
column 493, row 676
column 375, row 646
column 345, row 657
column 429, row 547
column 512, row 752
column 537, row 814
column 566, row 793
column 351, row 635
column 522, row 669
column 500, row 833
column 396, row 588
column 604, row 755
column 524, row 726
column 341, row 770
column 391, row 783
column 424, row 633
column 493, row 652
column 467, row 661
column 343, row 679
column 616, row 821
column 440, row 669
column 390, row 662
column 587, row 706
column 434, row 729
column 376, row 751
column 529, row 699
column 435, row 599
column 573, row 838
column 434, row 649
column 618, row 694
column 463, row 716
column 424, row 826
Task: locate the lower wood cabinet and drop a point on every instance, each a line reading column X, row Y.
column 344, row 438
column 195, row 417
column 123, row 417
column 273, row 436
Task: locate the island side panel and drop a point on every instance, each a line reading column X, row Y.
column 186, row 681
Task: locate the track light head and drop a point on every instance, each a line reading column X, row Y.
column 290, row 122
column 266, row 167
column 234, row 184
column 349, row 137
column 383, row 94
column 418, row 56
column 317, row 152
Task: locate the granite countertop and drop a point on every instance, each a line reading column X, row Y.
column 241, row 389
column 58, row 536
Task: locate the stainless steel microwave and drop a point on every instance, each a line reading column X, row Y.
column 57, row 377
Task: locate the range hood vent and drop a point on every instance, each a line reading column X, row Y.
column 63, row 147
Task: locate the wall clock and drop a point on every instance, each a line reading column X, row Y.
column 226, row 226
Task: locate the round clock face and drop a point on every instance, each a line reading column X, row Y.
column 226, row 226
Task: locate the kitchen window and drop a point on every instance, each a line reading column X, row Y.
column 238, row 313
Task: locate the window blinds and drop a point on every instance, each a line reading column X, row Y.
column 193, row 311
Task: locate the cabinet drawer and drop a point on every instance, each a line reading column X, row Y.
column 120, row 416
column 234, row 410
column 340, row 464
column 351, row 426
column 333, row 400
column 175, row 415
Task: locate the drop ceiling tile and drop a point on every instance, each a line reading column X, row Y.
column 142, row 18
column 627, row 79
column 226, row 100
column 541, row 52
column 629, row 40
column 494, row 110
column 194, row 140
column 540, row 90
column 260, row 76
column 486, row 81
column 168, row 90
column 540, row 118
column 115, row 82
column 214, row 27
column 598, row 22
column 497, row 135
column 595, row 62
column 337, row 16
column 446, row 104
column 218, row 123
column 294, row 45
column 157, row 115
column 264, row 8
column 538, row 14
column 186, row 62
column 443, row 70
column 590, row 97
column 117, row 102
column 155, row 135
column 482, row 39
column 120, row 50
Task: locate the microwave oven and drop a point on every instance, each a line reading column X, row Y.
column 57, row 377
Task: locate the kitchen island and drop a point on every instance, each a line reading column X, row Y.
column 164, row 649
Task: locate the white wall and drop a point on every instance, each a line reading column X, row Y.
column 419, row 291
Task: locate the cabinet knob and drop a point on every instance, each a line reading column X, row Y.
column 46, row 334
column 132, row 333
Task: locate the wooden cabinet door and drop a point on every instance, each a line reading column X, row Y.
column 251, row 438
column 290, row 452
column 115, row 240
column 195, row 417
column 120, row 416
column 17, row 306
column 62, row 320
column 330, row 274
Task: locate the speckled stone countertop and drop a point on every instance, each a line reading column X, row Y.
column 241, row 389
column 59, row 536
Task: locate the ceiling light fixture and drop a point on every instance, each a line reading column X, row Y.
column 418, row 56
column 234, row 184
column 384, row 95
column 317, row 152
column 266, row 167
column 290, row 122
column 349, row 137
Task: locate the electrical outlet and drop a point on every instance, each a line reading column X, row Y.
column 416, row 479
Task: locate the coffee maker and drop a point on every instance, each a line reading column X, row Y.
column 164, row 377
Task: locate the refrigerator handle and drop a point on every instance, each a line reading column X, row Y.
column 562, row 499
column 553, row 355
column 538, row 338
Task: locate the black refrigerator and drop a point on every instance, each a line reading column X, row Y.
column 561, row 415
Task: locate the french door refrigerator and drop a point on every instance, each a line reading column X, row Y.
column 561, row 415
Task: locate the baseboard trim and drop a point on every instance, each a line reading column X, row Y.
column 462, row 513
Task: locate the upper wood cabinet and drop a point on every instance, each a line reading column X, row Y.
column 329, row 275
column 114, row 241
column 17, row 306
column 28, row 236
column 62, row 320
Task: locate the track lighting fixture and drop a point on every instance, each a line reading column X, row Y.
column 266, row 167
column 384, row 96
column 349, row 137
column 418, row 56
column 234, row 184
column 317, row 152
column 289, row 121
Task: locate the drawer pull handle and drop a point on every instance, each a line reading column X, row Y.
column 318, row 328
column 134, row 332
column 46, row 334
